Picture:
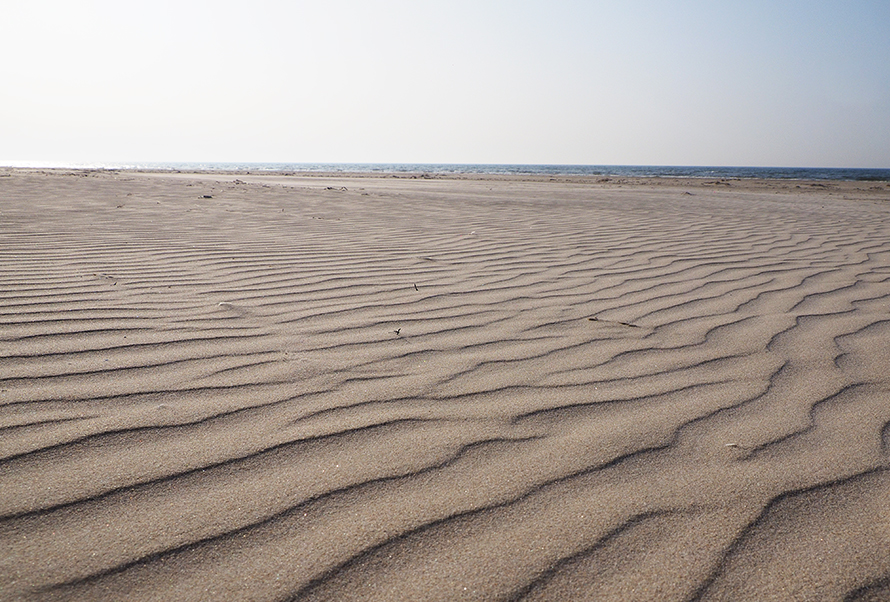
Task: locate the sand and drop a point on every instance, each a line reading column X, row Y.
column 332, row 387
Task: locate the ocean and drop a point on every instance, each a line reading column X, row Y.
column 644, row 171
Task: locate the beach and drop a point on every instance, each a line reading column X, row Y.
column 365, row 387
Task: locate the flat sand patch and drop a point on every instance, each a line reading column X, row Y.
column 332, row 387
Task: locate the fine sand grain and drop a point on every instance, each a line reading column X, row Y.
column 330, row 387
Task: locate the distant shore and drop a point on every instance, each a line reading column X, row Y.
column 865, row 189
column 446, row 169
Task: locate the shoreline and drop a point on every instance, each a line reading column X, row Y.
column 864, row 189
column 442, row 172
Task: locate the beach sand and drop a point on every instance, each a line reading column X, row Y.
column 333, row 387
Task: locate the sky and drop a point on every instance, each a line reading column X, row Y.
column 625, row 82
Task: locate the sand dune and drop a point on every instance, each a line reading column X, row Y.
column 367, row 388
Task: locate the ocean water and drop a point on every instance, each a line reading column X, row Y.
column 645, row 171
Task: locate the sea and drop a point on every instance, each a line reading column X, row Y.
column 638, row 171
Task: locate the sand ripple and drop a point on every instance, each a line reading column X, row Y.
column 441, row 390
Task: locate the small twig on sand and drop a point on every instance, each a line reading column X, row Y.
column 595, row 319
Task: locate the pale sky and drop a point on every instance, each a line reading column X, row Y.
column 624, row 82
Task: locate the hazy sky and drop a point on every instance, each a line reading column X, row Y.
column 641, row 82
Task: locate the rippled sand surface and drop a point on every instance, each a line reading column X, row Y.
column 334, row 388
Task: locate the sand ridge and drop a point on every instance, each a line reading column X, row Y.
column 334, row 387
